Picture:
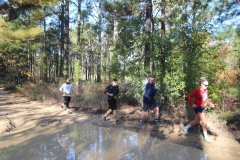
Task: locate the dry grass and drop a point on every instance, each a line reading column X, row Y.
column 88, row 97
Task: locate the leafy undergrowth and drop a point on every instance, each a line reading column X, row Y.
column 233, row 123
column 88, row 97
column 11, row 87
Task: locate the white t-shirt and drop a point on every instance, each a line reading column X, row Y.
column 66, row 88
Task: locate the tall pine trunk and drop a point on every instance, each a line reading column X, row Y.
column 99, row 68
column 163, row 32
column 113, row 56
column 67, row 40
column 79, row 38
column 62, row 39
column 147, row 48
column 45, row 66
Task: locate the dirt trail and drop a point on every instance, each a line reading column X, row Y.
column 18, row 114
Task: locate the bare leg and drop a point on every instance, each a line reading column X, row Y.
column 192, row 123
column 204, row 122
column 107, row 113
column 115, row 114
column 195, row 121
column 204, row 126
column 143, row 114
column 156, row 111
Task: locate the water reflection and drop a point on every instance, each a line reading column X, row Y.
column 88, row 142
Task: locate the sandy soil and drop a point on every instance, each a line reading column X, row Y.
column 18, row 114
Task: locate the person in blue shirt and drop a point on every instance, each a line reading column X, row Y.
column 112, row 91
column 149, row 101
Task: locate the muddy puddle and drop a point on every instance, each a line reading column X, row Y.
column 90, row 142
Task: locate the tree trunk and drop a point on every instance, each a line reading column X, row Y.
column 56, row 64
column 45, row 66
column 62, row 40
column 163, row 29
column 67, row 41
column 86, row 69
column 148, row 22
column 99, row 43
column 113, row 56
column 79, row 38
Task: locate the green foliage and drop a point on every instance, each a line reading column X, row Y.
column 183, row 46
column 132, row 91
column 37, row 92
column 232, row 117
column 77, row 71
column 12, row 87
column 234, row 91
column 11, row 31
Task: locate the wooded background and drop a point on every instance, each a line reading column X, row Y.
column 96, row 40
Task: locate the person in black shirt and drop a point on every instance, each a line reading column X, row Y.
column 112, row 91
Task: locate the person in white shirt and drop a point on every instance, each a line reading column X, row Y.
column 66, row 89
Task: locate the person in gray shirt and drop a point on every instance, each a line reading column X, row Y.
column 66, row 89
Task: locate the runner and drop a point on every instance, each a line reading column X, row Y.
column 149, row 101
column 200, row 96
column 66, row 89
column 112, row 91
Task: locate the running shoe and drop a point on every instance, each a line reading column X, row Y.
column 185, row 131
column 68, row 111
column 140, row 123
column 207, row 139
column 104, row 118
column 157, row 122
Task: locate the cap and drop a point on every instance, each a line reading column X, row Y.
column 202, row 79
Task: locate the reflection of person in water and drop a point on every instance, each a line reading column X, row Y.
column 65, row 142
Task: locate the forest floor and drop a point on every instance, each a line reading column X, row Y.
column 18, row 114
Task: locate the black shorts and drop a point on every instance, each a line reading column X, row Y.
column 199, row 110
column 147, row 106
column 112, row 104
column 67, row 100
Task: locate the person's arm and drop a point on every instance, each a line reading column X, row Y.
column 147, row 91
column 190, row 97
column 116, row 91
column 208, row 102
column 151, row 90
column 106, row 91
column 61, row 88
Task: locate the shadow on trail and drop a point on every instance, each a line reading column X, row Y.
column 12, row 103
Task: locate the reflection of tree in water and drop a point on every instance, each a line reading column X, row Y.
column 65, row 142
column 109, row 143
column 91, row 142
column 85, row 141
column 155, row 149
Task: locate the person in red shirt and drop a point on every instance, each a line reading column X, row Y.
column 198, row 99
